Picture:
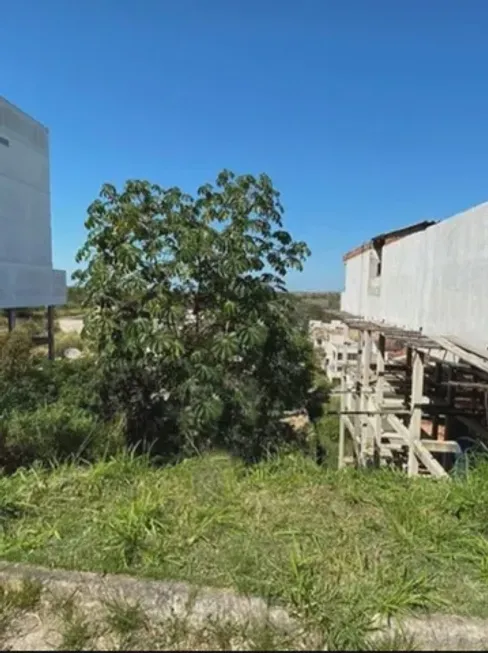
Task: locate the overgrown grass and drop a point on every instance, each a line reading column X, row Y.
column 15, row 601
column 327, row 430
column 335, row 548
column 70, row 340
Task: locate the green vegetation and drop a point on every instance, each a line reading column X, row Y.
column 197, row 343
column 318, row 305
column 71, row 340
column 335, row 548
column 15, row 601
column 193, row 342
column 167, row 451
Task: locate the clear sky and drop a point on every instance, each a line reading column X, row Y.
column 367, row 114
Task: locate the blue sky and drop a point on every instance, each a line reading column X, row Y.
column 367, row 114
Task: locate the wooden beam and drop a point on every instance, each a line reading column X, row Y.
column 434, row 467
column 357, row 397
column 349, row 425
column 408, row 376
column 379, row 395
column 477, row 351
column 442, row 446
column 416, row 416
column 366, row 449
column 351, row 428
column 369, row 411
column 468, row 357
column 438, row 381
column 342, row 425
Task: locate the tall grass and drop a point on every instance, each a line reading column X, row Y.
column 337, row 549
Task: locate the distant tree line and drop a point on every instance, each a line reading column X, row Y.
column 317, row 305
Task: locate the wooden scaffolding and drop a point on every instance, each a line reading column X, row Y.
column 419, row 413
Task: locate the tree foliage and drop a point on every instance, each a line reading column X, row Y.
column 76, row 296
column 197, row 342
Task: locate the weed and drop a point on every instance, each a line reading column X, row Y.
column 16, row 599
column 398, row 641
column 77, row 632
column 25, row 596
column 71, row 340
column 335, row 549
column 125, row 618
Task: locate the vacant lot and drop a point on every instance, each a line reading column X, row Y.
column 334, row 548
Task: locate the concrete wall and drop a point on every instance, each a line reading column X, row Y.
column 26, row 274
column 436, row 280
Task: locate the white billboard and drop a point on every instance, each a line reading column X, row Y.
column 27, row 277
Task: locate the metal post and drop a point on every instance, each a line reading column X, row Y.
column 11, row 316
column 50, row 332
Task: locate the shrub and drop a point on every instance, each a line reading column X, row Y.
column 56, row 432
column 49, row 409
column 196, row 339
column 65, row 341
column 53, row 431
column 38, row 383
column 15, row 349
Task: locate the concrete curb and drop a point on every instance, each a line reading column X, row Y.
column 199, row 606
column 164, row 599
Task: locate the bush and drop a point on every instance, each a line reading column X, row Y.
column 49, row 409
column 66, row 341
column 15, row 351
column 37, row 383
column 56, row 432
column 196, row 338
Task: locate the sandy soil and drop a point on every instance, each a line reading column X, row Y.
column 71, row 324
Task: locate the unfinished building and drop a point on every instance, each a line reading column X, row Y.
column 27, row 277
column 424, row 288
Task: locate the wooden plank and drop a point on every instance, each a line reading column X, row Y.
column 408, row 377
column 468, row 357
column 416, row 416
column 441, row 446
column 380, row 389
column 357, row 395
column 342, row 426
column 349, row 425
column 351, row 428
column 437, row 382
column 366, row 449
column 426, row 458
column 477, row 351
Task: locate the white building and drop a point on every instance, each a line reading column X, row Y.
column 334, row 345
column 430, row 276
column 27, row 277
column 337, row 356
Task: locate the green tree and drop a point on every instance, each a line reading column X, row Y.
column 76, row 296
column 197, row 341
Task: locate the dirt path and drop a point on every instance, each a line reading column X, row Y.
column 71, row 324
